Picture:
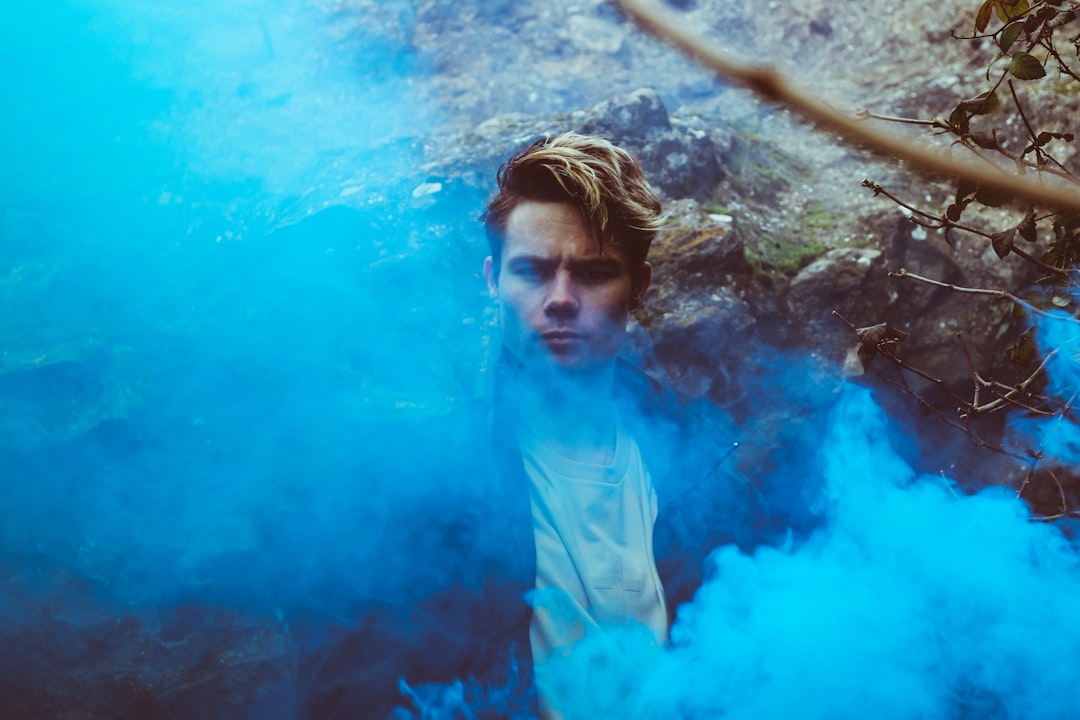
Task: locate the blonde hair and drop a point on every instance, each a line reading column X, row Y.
column 605, row 183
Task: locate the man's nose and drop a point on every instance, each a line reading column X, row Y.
column 561, row 300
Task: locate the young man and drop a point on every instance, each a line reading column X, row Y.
column 579, row 501
column 569, row 233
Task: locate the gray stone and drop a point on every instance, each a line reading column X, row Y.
column 835, row 274
column 681, row 161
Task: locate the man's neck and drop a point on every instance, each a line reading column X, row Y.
column 573, row 413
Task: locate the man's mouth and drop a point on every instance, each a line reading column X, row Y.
column 560, row 340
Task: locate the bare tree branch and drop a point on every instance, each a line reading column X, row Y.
column 1000, row 294
column 769, row 84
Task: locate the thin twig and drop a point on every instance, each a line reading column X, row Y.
column 963, row 139
column 880, row 190
column 903, row 273
column 1002, row 388
column 1027, row 480
column 1009, row 396
column 976, row 379
column 1027, row 124
column 1003, row 399
column 862, row 113
column 939, row 222
column 1041, row 156
column 904, row 365
column 1061, row 492
column 950, row 486
column 947, row 419
column 1059, row 516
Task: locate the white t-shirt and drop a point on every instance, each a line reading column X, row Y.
column 594, row 560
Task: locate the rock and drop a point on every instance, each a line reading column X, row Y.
column 630, row 118
column 697, row 261
column 71, row 657
column 694, row 306
column 681, row 161
column 834, row 275
column 848, row 281
column 696, row 343
column 679, row 156
column 933, row 316
column 930, row 257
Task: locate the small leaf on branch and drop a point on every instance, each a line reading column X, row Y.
column 965, row 193
column 986, row 142
column 1065, row 227
column 982, row 19
column 1055, row 255
column 1003, row 242
column 1033, row 22
column 1009, row 34
column 1022, row 354
column 1045, row 137
column 1009, row 9
column 958, row 119
column 880, row 337
column 1000, row 10
column 1047, row 13
column 982, row 104
column 1024, row 66
column 1026, row 228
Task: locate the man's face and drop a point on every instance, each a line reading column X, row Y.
column 562, row 304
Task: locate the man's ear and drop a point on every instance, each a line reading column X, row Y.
column 489, row 275
column 641, row 284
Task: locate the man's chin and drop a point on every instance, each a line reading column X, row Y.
column 568, row 364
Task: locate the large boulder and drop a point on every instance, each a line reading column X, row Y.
column 680, row 155
column 680, row 160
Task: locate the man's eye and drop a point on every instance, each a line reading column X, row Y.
column 529, row 272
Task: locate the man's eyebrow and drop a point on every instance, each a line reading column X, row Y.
column 600, row 263
column 531, row 260
column 541, row 261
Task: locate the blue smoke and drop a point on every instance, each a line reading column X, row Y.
column 215, row 289
column 912, row 600
column 1056, row 438
column 218, row 290
column 220, row 298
